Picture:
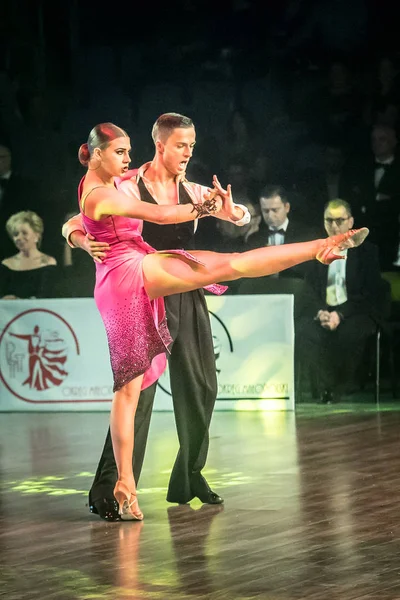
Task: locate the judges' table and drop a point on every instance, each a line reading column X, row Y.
column 54, row 355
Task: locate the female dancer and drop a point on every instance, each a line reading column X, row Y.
column 133, row 279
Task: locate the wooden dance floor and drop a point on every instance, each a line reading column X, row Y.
column 311, row 511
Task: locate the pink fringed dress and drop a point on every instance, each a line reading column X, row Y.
column 136, row 327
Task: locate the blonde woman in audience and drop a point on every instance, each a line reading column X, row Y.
column 29, row 273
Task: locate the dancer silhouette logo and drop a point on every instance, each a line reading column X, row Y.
column 35, row 349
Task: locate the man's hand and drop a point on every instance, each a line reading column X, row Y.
column 230, row 211
column 328, row 320
column 322, row 317
column 97, row 250
column 334, row 320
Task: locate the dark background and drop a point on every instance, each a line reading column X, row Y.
column 65, row 66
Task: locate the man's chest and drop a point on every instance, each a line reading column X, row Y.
column 164, row 194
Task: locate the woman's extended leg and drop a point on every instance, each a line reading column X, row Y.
column 122, row 418
column 166, row 274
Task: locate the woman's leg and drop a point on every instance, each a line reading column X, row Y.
column 122, row 419
column 167, row 274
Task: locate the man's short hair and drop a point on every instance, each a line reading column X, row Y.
column 166, row 123
column 270, row 191
column 338, row 203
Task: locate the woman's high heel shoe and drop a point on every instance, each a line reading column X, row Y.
column 333, row 246
column 126, row 500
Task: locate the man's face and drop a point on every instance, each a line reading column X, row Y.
column 337, row 220
column 5, row 161
column 383, row 142
column 274, row 211
column 177, row 150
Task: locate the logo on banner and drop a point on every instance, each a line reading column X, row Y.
column 222, row 343
column 35, row 349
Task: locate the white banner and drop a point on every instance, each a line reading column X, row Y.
column 54, row 355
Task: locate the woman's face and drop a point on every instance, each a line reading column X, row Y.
column 24, row 237
column 115, row 159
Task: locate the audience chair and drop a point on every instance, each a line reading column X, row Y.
column 381, row 344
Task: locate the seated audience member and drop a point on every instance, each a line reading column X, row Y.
column 261, row 170
column 241, row 136
column 334, row 109
column 318, row 185
column 384, row 103
column 277, row 228
column 15, row 193
column 76, row 277
column 29, row 273
column 331, row 339
column 373, row 189
column 341, row 104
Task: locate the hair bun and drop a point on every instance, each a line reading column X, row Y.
column 84, row 155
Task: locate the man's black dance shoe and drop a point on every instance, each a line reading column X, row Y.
column 106, row 508
column 202, row 491
column 210, row 497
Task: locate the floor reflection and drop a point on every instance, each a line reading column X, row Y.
column 190, row 530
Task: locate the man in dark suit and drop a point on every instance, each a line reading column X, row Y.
column 277, row 228
column 343, row 311
column 373, row 189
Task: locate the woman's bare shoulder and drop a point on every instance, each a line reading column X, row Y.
column 10, row 262
column 46, row 260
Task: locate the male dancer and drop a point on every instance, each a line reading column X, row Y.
column 192, row 368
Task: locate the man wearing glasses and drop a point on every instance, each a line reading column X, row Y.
column 343, row 313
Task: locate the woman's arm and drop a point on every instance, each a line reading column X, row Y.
column 108, row 201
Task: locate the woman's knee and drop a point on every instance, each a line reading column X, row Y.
column 129, row 393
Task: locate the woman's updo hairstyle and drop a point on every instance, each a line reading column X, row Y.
column 99, row 137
